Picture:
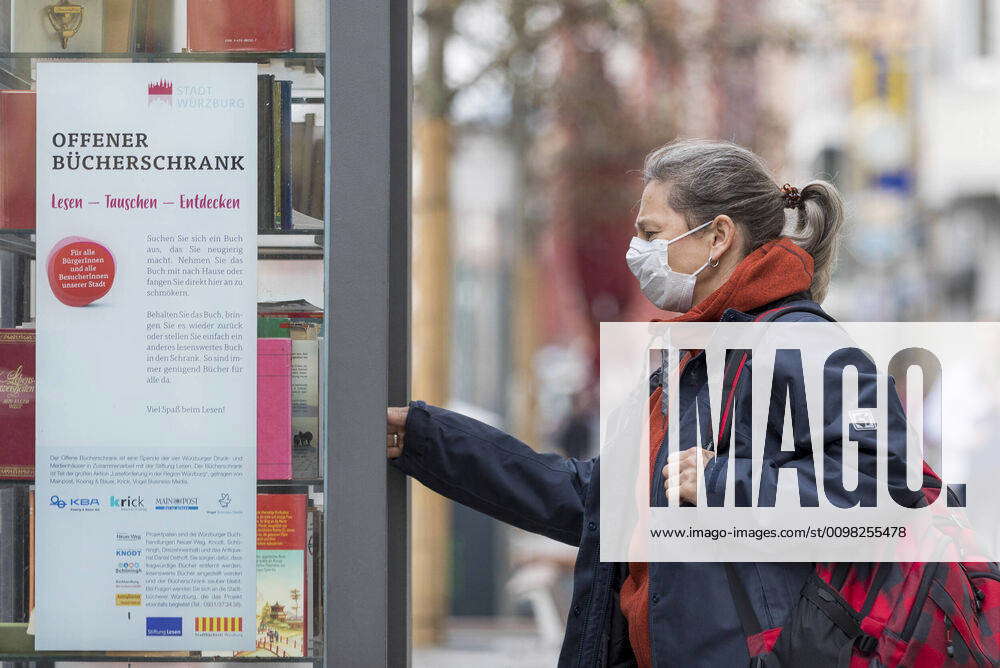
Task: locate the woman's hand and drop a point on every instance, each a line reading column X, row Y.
column 686, row 463
column 395, row 430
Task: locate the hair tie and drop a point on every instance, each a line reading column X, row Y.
column 790, row 195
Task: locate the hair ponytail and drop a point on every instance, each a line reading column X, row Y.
column 817, row 231
column 712, row 177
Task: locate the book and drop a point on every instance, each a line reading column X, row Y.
column 241, row 25
column 265, row 153
column 153, row 26
column 33, row 31
column 17, row 149
column 285, row 145
column 305, row 322
column 310, row 33
column 273, row 328
column 117, row 25
column 17, row 404
column 295, row 309
column 305, row 392
column 31, row 549
column 276, row 162
column 282, row 590
column 274, row 409
column 303, row 136
column 14, row 554
column 314, row 567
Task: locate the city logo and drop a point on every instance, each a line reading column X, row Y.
column 161, row 92
column 74, row 504
column 218, row 624
column 225, row 500
column 127, row 502
column 163, row 626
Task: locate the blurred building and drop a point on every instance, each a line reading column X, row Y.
column 893, row 101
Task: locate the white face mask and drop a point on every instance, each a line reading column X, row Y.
column 670, row 290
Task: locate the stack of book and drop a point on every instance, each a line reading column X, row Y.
column 290, row 335
column 149, row 26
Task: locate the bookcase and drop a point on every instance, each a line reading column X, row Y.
column 350, row 258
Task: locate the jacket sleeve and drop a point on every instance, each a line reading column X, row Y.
column 492, row 472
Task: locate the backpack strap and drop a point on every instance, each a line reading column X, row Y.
column 748, row 618
column 733, row 372
column 794, row 306
column 741, row 599
column 744, row 608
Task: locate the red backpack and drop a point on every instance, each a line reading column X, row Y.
column 916, row 615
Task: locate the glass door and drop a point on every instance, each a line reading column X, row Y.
column 324, row 135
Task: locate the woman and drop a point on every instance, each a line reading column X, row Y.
column 714, row 213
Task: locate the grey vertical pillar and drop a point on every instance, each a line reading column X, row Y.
column 367, row 333
column 401, row 94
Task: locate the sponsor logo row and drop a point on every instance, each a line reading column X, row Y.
column 134, row 502
column 174, row 626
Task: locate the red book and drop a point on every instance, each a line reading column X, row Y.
column 17, row 404
column 17, row 160
column 274, row 409
column 241, row 25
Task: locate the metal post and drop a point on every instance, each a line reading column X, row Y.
column 367, row 332
column 401, row 94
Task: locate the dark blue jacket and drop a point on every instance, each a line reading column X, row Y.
column 692, row 619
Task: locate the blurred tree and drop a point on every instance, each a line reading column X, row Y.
column 591, row 86
column 431, row 304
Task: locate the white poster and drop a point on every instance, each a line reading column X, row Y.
column 146, row 355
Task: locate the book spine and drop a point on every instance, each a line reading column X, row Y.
column 286, row 155
column 13, row 554
column 17, row 404
column 276, row 148
column 17, row 148
column 274, row 409
column 265, row 154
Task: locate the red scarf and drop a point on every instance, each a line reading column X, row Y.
column 775, row 270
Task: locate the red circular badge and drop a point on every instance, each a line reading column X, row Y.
column 80, row 271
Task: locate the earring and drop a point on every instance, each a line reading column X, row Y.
column 713, row 266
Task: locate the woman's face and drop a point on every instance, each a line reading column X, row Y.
column 657, row 220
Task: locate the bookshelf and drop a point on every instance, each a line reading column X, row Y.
column 361, row 87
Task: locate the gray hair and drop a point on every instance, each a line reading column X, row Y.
column 708, row 178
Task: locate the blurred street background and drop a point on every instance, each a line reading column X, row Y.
column 531, row 124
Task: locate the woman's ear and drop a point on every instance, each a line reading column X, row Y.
column 724, row 236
